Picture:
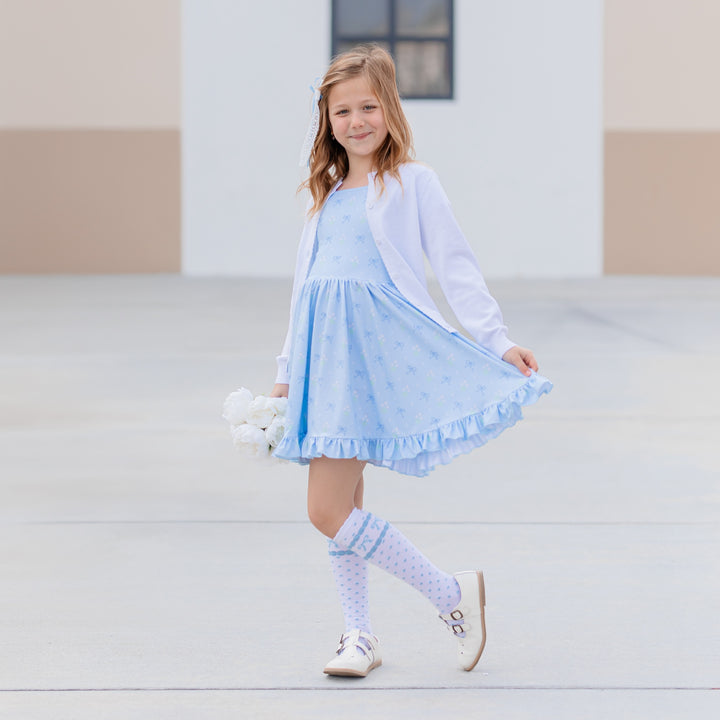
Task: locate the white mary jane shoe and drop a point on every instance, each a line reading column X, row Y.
column 467, row 621
column 357, row 655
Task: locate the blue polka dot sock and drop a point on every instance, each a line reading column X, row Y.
column 378, row 542
column 351, row 580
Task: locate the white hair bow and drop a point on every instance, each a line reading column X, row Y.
column 314, row 126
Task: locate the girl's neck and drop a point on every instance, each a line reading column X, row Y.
column 358, row 171
column 349, row 183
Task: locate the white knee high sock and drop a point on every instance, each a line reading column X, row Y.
column 351, row 580
column 378, row 542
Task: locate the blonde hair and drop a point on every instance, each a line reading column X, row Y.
column 328, row 159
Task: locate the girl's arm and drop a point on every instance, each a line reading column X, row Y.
column 280, row 390
column 282, row 377
column 522, row 358
column 460, row 278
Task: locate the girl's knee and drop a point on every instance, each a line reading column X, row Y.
column 327, row 519
column 333, row 489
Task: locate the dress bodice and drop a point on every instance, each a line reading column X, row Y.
column 344, row 245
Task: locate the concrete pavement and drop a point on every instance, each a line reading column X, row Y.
column 150, row 572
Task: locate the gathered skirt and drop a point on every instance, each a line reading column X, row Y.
column 374, row 378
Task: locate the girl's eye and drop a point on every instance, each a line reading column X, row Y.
column 369, row 107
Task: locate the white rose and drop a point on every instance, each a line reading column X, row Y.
column 250, row 441
column 275, row 431
column 261, row 412
column 235, row 408
column 279, row 404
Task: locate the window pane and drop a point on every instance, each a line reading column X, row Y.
column 423, row 68
column 427, row 18
column 369, row 17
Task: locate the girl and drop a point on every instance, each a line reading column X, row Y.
column 372, row 371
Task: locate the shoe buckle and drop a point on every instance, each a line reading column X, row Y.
column 457, row 627
column 360, row 644
column 341, row 644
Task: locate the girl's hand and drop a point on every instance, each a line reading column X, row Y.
column 280, row 390
column 521, row 358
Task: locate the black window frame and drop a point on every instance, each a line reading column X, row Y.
column 392, row 38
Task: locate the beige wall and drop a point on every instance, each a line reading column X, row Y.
column 90, row 136
column 662, row 203
column 662, row 64
column 90, row 201
column 90, row 63
column 662, row 137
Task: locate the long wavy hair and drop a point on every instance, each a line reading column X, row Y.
column 328, row 159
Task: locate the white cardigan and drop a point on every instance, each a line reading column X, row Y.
column 405, row 220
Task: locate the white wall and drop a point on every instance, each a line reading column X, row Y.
column 519, row 150
column 247, row 67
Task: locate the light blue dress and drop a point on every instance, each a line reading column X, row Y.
column 372, row 377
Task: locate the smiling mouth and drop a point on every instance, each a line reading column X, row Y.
column 361, row 136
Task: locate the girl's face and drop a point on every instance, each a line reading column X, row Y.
column 357, row 120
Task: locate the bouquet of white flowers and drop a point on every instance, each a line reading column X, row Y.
column 257, row 424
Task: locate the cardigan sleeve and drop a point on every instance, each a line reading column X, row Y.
column 457, row 269
column 283, row 375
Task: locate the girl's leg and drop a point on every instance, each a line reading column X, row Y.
column 334, row 492
column 378, row 542
column 360, row 493
column 333, row 486
column 331, row 494
column 349, row 571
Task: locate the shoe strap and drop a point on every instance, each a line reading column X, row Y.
column 455, row 622
column 359, row 639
